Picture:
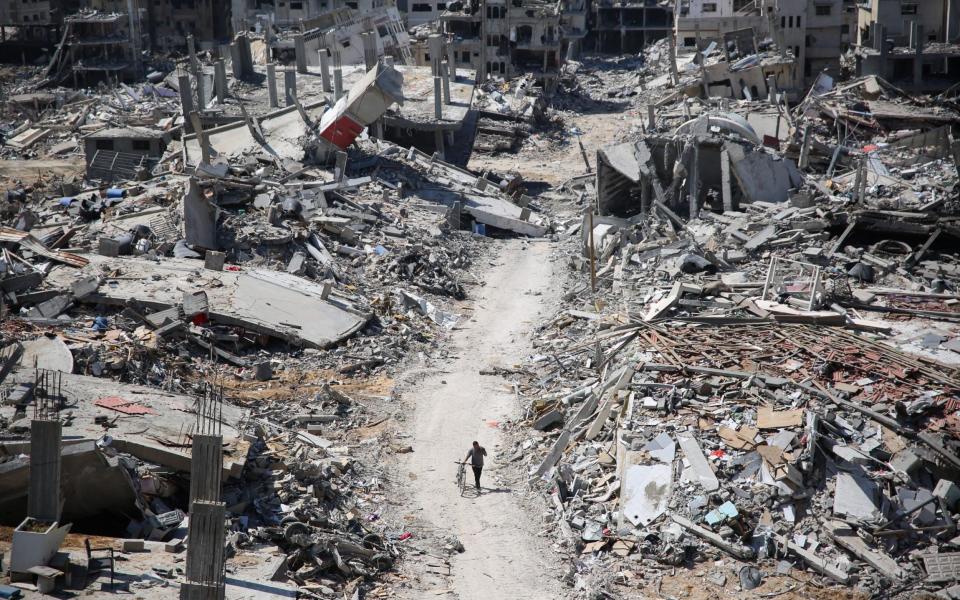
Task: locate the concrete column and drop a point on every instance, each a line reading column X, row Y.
column 726, row 187
column 913, row 35
column 325, row 69
column 772, row 89
column 646, row 194
column 918, row 59
column 445, row 78
column 290, row 86
column 236, row 62
column 437, row 98
column 881, row 31
column 693, row 182
column 220, row 80
column 197, row 72
column 438, row 139
column 201, row 137
column 205, row 577
column 877, row 33
column 369, row 49
column 186, row 98
column 300, row 49
column 573, row 49
column 674, row 71
column 805, row 147
column 272, row 84
column 246, row 56
column 435, row 46
column 451, row 61
column 340, row 166
column 44, row 496
column 206, row 464
column 651, row 117
column 337, row 83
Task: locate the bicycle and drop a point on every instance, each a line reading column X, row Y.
column 461, row 476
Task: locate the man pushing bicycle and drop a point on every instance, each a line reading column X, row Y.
column 475, row 456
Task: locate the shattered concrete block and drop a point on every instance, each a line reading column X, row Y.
column 856, row 496
column 132, row 546
column 214, row 260
column 82, row 288
column 108, row 247
column 296, row 264
column 264, row 371
column 553, row 417
column 905, row 461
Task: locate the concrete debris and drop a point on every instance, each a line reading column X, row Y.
column 784, row 301
column 209, row 278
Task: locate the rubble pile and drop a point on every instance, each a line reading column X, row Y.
column 257, row 259
column 764, row 380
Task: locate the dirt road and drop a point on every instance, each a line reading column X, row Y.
column 504, row 558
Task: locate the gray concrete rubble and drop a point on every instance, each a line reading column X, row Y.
column 225, row 253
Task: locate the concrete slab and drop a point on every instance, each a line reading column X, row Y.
column 646, row 492
column 699, row 469
column 270, row 302
column 160, row 437
column 47, row 353
column 283, row 131
column 856, row 496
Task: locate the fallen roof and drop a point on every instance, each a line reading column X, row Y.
column 269, row 302
column 281, row 130
column 160, row 436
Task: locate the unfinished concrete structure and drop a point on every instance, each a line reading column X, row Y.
column 205, row 575
column 99, row 46
column 505, row 39
column 910, row 44
column 39, row 536
column 628, row 26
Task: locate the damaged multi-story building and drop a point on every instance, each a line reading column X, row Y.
column 815, row 32
column 911, row 44
column 628, row 26
column 99, row 46
column 29, row 27
column 169, row 22
column 498, row 38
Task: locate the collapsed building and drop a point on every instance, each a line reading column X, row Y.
column 513, row 38
column 750, row 384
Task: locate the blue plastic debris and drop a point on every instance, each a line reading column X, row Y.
column 725, row 511
column 100, row 324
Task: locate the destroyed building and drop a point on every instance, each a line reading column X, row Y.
column 910, row 44
column 98, row 46
column 506, row 39
column 29, row 29
column 258, row 263
column 628, row 26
